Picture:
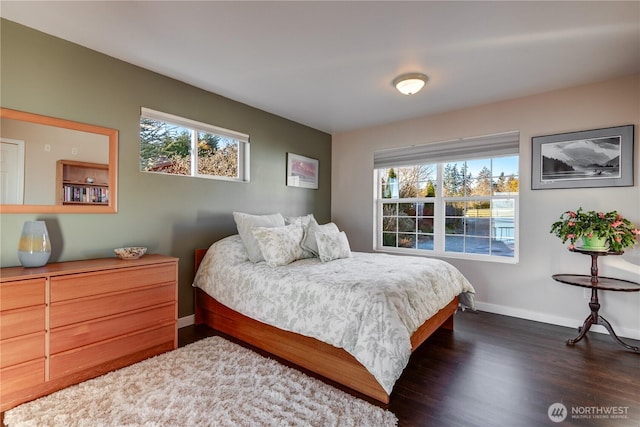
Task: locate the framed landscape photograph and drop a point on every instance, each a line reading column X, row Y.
column 592, row 158
column 302, row 171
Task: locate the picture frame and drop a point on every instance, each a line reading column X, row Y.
column 584, row 159
column 302, row 171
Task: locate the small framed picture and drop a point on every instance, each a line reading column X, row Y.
column 302, row 171
column 591, row 158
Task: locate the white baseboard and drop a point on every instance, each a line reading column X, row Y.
column 553, row 320
column 186, row 321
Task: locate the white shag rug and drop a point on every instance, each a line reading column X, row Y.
column 212, row 382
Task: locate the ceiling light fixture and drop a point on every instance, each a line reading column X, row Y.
column 408, row 84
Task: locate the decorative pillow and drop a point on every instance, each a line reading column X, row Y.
column 309, row 241
column 304, row 221
column 333, row 245
column 246, row 222
column 279, row 245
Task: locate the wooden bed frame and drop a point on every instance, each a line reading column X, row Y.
column 316, row 356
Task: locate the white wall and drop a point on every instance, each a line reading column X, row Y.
column 525, row 289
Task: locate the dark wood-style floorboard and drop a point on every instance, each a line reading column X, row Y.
column 494, row 370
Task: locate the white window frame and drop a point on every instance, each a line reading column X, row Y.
column 491, row 146
column 195, row 127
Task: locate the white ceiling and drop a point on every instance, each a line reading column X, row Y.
column 329, row 65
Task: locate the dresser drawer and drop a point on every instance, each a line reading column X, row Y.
column 22, row 321
column 23, row 293
column 81, row 310
column 78, row 335
column 89, row 284
column 83, row 358
column 22, row 349
column 24, row 375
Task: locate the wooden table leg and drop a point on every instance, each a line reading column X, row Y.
column 594, row 305
column 583, row 330
column 595, row 319
column 606, row 324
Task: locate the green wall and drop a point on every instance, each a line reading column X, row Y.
column 170, row 215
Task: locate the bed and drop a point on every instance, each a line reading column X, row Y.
column 354, row 320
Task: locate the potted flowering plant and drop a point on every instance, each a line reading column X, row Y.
column 613, row 230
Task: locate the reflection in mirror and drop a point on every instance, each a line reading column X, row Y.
column 55, row 165
column 43, row 147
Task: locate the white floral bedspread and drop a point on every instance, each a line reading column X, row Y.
column 369, row 304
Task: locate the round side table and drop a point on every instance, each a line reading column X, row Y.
column 595, row 283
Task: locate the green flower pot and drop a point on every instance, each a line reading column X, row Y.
column 594, row 243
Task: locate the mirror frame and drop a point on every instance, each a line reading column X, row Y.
column 112, row 134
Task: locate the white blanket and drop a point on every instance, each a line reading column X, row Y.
column 369, row 304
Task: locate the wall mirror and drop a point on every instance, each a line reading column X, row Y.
column 51, row 165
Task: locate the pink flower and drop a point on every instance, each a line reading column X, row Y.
column 572, row 214
column 572, row 246
column 571, row 224
column 600, row 215
column 616, row 224
column 590, row 235
column 570, row 236
column 635, row 231
column 618, row 239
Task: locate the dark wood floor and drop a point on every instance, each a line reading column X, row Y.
column 499, row 371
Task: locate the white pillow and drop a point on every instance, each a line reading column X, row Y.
column 333, row 245
column 309, row 241
column 246, row 222
column 279, row 245
column 304, row 221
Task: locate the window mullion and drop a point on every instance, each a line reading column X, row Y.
column 194, row 152
column 438, row 220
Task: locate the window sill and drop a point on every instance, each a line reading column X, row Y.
column 452, row 255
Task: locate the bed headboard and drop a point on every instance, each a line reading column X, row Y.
column 198, row 258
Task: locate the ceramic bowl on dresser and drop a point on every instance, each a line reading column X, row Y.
column 132, row 252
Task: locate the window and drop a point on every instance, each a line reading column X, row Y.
column 462, row 203
column 174, row 145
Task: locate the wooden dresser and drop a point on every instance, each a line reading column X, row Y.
column 67, row 322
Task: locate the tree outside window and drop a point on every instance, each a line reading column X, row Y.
column 475, row 209
column 183, row 147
